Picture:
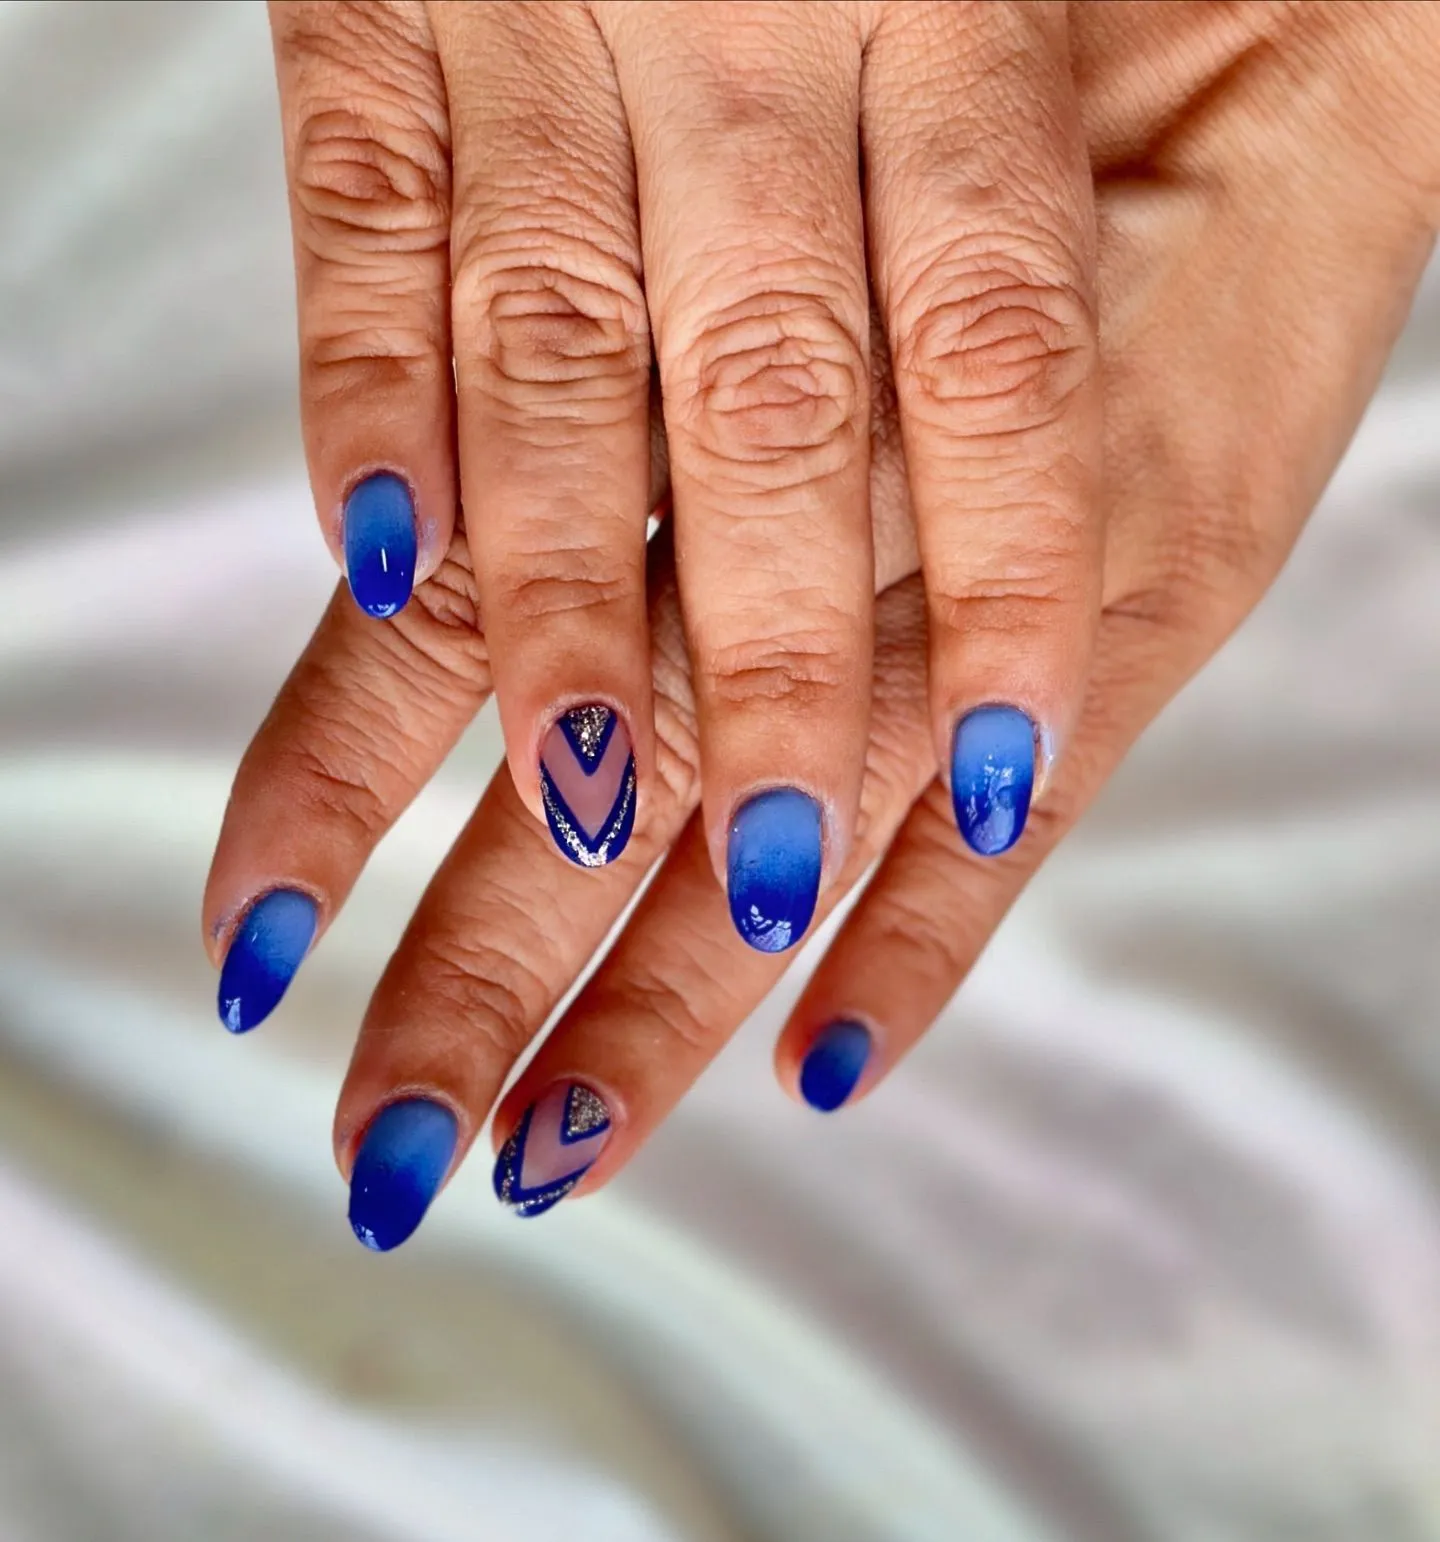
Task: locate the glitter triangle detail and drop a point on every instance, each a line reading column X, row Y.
column 585, row 1114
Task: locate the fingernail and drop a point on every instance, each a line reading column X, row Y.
column 555, row 1144
column 587, row 783
column 834, row 1064
column 992, row 769
column 268, row 947
column 380, row 544
column 401, row 1163
column 774, row 868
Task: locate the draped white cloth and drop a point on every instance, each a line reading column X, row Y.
column 1143, row 1245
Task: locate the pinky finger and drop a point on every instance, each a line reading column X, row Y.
column 928, row 912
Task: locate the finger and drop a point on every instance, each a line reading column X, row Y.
column 755, row 276
column 501, row 934
column 553, row 369
column 678, row 981
column 363, row 722
column 932, row 906
column 367, row 158
column 983, row 255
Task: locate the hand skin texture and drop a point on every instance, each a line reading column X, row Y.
column 560, row 195
column 1267, row 187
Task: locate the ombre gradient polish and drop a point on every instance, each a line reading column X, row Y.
column 587, row 784
column 834, row 1065
column 268, row 947
column 992, row 773
column 773, row 867
column 401, row 1163
column 558, row 1140
column 380, row 544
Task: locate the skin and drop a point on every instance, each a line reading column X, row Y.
column 564, row 195
column 1267, row 182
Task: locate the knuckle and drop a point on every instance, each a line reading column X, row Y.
column 371, row 178
column 776, row 379
column 804, row 670
column 997, row 336
column 494, row 993
column 579, row 324
column 323, row 778
column 666, row 1004
column 562, row 581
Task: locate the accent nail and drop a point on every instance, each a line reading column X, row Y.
column 992, row 770
column 773, row 863
column 268, row 947
column 555, row 1144
column 587, row 783
column 380, row 544
column 833, row 1065
column 399, row 1166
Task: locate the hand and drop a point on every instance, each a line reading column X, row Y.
column 492, row 180
column 1268, row 189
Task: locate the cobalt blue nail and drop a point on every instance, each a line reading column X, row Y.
column 401, row 1162
column 268, row 947
column 833, row 1065
column 992, row 770
column 380, row 544
column 774, row 868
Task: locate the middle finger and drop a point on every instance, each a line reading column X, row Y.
column 744, row 122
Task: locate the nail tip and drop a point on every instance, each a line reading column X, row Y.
column 268, row 948
column 402, row 1160
column 380, row 545
column 773, row 864
column 588, row 785
column 834, row 1064
column 992, row 777
column 559, row 1139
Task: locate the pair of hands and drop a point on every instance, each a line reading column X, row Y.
column 1266, row 191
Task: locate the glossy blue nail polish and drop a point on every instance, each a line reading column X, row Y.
column 773, row 866
column 401, row 1162
column 380, row 544
column 268, row 947
column 834, row 1064
column 992, row 771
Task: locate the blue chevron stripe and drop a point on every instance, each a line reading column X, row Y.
column 617, row 831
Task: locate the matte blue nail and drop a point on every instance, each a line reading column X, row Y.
column 992, row 771
column 401, row 1162
column 268, row 947
column 774, row 868
column 833, row 1065
column 380, row 544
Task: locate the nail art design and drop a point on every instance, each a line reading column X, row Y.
column 587, row 783
column 834, row 1064
column 773, row 868
column 555, row 1144
column 380, row 544
column 992, row 770
column 401, row 1163
column 268, row 947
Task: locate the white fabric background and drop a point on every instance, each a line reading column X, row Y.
column 1142, row 1246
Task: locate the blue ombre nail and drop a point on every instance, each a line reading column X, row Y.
column 268, row 947
column 992, row 771
column 773, row 865
column 401, row 1163
column 834, row 1064
column 380, row 544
